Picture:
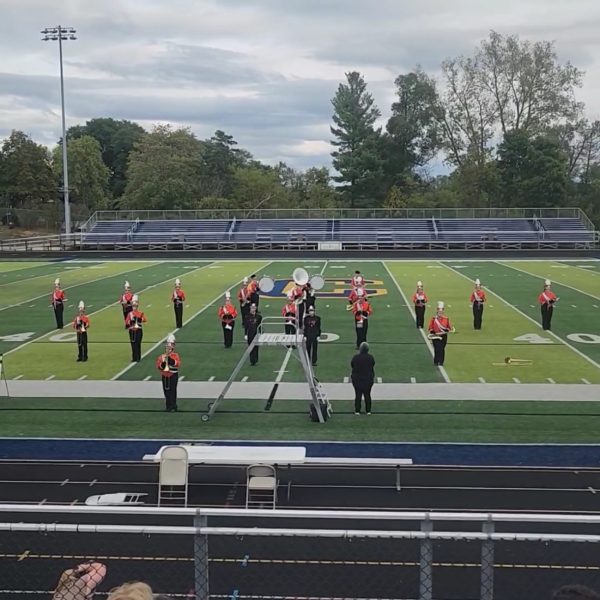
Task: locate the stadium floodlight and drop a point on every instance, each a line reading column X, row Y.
column 60, row 34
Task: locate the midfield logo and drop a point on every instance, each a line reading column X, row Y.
column 334, row 288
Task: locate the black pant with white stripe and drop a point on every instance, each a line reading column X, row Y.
column 477, row 314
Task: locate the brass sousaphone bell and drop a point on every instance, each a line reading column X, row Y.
column 301, row 278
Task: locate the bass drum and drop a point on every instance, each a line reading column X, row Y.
column 266, row 285
column 317, row 282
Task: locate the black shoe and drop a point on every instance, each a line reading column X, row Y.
column 85, row 359
column 314, row 364
column 175, row 409
column 79, row 359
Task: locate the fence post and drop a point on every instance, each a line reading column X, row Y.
column 425, row 563
column 201, row 560
column 487, row 563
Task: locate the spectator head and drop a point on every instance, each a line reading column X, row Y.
column 135, row 590
column 575, row 592
column 363, row 348
column 80, row 582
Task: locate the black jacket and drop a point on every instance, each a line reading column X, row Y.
column 312, row 327
column 363, row 368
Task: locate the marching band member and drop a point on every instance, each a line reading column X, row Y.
column 134, row 323
column 244, row 300
column 477, row 300
column 362, row 311
column 547, row 300
column 227, row 315
column 420, row 301
column 312, row 332
column 439, row 328
column 58, row 304
column 81, row 323
column 253, row 291
column 126, row 300
column 168, row 364
column 356, row 294
column 307, row 300
column 357, row 281
column 178, row 302
column 253, row 321
column 290, row 312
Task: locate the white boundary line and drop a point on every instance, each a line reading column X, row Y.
column 51, row 274
column 414, row 316
column 49, row 293
column 554, row 280
column 21, row 346
column 206, row 306
column 554, row 335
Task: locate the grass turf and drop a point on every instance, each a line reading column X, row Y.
column 397, row 421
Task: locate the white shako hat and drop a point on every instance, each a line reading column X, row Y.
column 57, row 282
column 419, row 284
column 440, row 305
column 290, row 295
column 177, row 282
column 245, row 280
column 477, row 282
column 127, row 286
column 135, row 299
column 360, row 292
column 547, row 283
column 81, row 305
column 171, row 339
column 227, row 295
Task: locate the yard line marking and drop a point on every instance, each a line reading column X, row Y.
column 76, row 501
column 211, row 378
column 532, row 305
column 50, row 377
column 561, row 340
column 481, row 380
column 163, row 340
column 595, row 305
column 346, row 380
column 43, row 501
column 40, row 337
column 244, row 378
column 17, row 377
column 379, row 380
column 412, row 312
column 585, row 381
column 147, row 378
column 92, row 482
column 591, row 489
column 182, row 378
column 413, row 380
column 557, row 282
column 573, row 305
column 550, row 380
column 64, row 482
column 516, row 380
column 52, row 275
column 47, row 295
column 82, row 378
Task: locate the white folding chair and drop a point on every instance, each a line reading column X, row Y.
column 173, row 475
column 261, row 486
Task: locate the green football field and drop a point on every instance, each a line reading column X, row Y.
column 34, row 350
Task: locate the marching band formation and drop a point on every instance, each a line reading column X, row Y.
column 299, row 316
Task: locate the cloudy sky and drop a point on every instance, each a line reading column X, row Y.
column 262, row 70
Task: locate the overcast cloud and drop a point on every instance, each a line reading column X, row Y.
column 264, row 71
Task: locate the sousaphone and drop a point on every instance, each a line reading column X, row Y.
column 301, row 278
column 266, row 284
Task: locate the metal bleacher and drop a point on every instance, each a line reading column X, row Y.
column 440, row 230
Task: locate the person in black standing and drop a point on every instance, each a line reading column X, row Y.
column 363, row 376
column 252, row 325
column 58, row 304
column 312, row 331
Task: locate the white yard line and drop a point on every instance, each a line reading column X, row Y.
column 481, row 380
column 95, row 312
column 412, row 312
column 199, row 312
column 553, row 280
column 557, row 337
column 49, row 293
column 52, row 275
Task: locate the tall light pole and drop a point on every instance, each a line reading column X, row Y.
column 53, row 34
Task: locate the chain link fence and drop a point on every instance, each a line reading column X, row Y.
column 72, row 561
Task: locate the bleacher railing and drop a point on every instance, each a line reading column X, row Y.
column 345, row 213
column 301, row 554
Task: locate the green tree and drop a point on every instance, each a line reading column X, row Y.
column 357, row 157
column 26, row 179
column 413, row 129
column 116, row 139
column 258, row 188
column 533, row 172
column 165, row 171
column 88, row 175
column 221, row 158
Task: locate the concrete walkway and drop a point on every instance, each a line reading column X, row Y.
column 299, row 391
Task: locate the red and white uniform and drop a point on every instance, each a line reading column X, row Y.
column 357, row 281
column 362, row 310
column 126, row 299
column 178, row 296
column 57, row 297
column 81, row 323
column 420, row 298
column 134, row 319
column 172, row 359
column 243, row 295
column 440, row 325
column 227, row 313
column 547, row 297
column 355, row 296
column 290, row 311
column 478, row 296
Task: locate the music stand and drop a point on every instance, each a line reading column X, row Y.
column 3, row 375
